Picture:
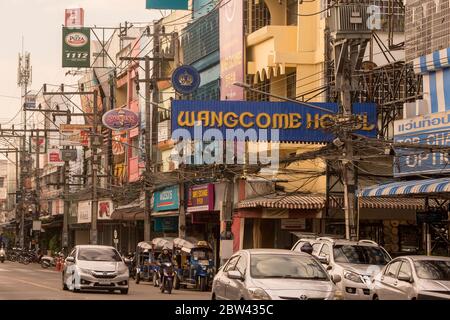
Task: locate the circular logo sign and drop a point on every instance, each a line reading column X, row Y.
column 230, row 10
column 76, row 39
column 185, row 79
column 120, row 120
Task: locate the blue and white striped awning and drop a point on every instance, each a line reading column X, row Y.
column 417, row 187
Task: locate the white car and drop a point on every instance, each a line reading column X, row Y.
column 356, row 262
column 270, row 274
column 414, row 278
column 95, row 268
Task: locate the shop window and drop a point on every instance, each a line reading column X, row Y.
column 409, row 238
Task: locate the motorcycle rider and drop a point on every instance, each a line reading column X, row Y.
column 164, row 257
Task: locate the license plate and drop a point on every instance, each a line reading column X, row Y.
column 105, row 282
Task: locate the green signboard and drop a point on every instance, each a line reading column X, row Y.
column 169, row 5
column 76, row 48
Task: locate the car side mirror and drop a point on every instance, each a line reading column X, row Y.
column 235, row 275
column 336, row 278
column 70, row 259
column 405, row 278
column 127, row 261
column 323, row 259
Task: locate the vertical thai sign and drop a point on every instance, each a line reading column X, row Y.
column 232, row 50
column 76, row 48
column 74, row 18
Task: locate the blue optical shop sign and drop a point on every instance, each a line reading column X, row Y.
column 167, row 4
column 264, row 121
column 166, row 199
column 185, row 79
column 432, row 129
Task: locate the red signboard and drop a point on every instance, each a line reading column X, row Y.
column 74, row 18
column 201, row 198
column 232, row 49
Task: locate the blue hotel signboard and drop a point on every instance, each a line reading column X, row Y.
column 166, row 199
column 267, row 121
column 432, row 129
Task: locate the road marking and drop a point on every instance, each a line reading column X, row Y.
column 37, row 285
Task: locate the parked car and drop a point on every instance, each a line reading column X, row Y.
column 356, row 262
column 95, row 268
column 270, row 274
column 413, row 278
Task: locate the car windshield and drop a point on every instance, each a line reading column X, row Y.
column 286, row 266
column 360, row 255
column 99, row 254
column 433, row 269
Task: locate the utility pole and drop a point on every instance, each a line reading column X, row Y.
column 148, row 152
column 66, row 172
column 94, row 162
column 95, row 143
column 38, row 184
column 23, row 80
column 349, row 46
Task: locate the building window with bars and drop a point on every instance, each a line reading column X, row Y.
column 292, row 12
column 256, row 16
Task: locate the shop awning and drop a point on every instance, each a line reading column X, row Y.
column 422, row 188
column 130, row 212
column 296, row 201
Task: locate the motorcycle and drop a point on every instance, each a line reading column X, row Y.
column 48, row 261
column 130, row 261
column 168, row 276
column 2, row 255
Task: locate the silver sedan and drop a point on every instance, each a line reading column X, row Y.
column 95, row 268
column 270, row 274
column 413, row 278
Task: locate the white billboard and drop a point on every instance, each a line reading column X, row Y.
column 84, row 212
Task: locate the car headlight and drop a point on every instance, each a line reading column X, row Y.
column 338, row 295
column 123, row 269
column 258, row 294
column 352, row 276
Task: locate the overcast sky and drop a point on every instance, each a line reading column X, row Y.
column 39, row 22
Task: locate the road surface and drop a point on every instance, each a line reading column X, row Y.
column 31, row 282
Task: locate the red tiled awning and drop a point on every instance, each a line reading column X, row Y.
column 295, row 201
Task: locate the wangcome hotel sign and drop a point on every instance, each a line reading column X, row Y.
column 265, row 121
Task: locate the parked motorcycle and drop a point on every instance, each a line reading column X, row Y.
column 168, row 276
column 2, row 255
column 48, row 261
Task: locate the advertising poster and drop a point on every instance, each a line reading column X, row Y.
column 76, row 48
column 231, row 30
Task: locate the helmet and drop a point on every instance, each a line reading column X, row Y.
column 166, row 251
column 307, row 248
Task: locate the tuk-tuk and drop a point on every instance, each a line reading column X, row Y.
column 144, row 258
column 195, row 264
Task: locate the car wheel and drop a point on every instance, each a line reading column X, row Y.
column 64, row 285
column 375, row 297
column 203, row 284
column 124, row 291
column 213, row 297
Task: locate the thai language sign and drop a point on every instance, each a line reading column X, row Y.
column 433, row 129
column 263, row 121
column 74, row 134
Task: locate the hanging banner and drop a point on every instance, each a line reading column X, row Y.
column 74, row 135
column 55, row 158
column 76, row 48
column 167, row 5
column 231, row 21
column 105, row 209
column 84, row 212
